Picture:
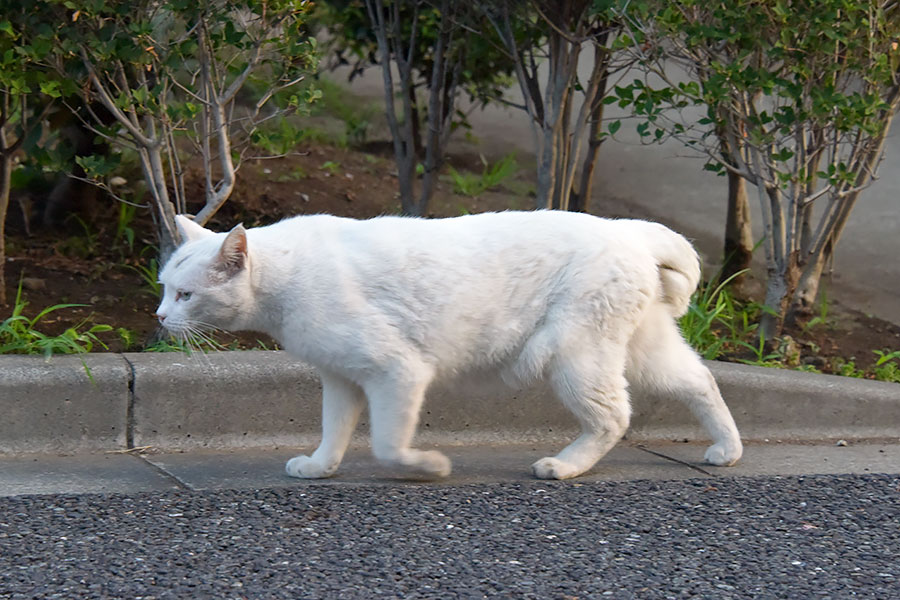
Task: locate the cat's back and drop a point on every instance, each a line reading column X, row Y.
column 515, row 233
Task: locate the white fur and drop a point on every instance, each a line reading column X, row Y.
column 385, row 307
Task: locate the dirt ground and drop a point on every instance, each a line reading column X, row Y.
column 84, row 263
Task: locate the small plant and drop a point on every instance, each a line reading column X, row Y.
column 331, row 166
column 715, row 323
column 124, row 231
column 295, row 174
column 150, row 274
column 18, row 333
column 847, row 368
column 81, row 246
column 761, row 358
column 128, row 337
column 886, row 367
column 469, row 184
column 822, row 317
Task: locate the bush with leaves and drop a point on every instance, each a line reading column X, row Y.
column 169, row 73
column 799, row 96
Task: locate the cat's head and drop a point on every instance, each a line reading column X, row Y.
column 206, row 282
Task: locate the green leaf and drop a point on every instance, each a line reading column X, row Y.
column 51, row 88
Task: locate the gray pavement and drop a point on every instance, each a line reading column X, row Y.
column 201, row 470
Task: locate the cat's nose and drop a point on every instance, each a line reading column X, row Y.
column 161, row 317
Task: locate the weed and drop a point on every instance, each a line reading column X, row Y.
column 712, row 312
column 886, row 367
column 204, row 346
column 124, row 231
column 128, row 337
column 331, row 166
column 761, row 358
column 80, row 246
column 18, row 333
column 847, row 368
column 822, row 317
column 296, row 174
column 469, row 184
column 170, row 345
column 149, row 273
column 887, row 372
column 885, row 356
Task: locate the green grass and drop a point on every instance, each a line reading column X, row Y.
column 471, row 184
column 201, row 346
column 149, row 274
column 19, row 334
column 718, row 325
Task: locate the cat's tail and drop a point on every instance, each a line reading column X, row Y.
column 678, row 264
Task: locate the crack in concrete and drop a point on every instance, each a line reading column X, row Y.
column 129, row 407
column 675, row 460
column 182, row 484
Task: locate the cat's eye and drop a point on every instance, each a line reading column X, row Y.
column 179, row 295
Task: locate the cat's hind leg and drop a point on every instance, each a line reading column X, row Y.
column 342, row 403
column 591, row 383
column 394, row 405
column 662, row 363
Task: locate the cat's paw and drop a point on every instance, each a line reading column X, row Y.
column 306, row 467
column 723, row 454
column 553, row 468
column 432, row 463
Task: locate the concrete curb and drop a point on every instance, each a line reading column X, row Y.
column 263, row 399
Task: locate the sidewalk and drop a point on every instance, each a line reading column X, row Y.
column 127, row 473
column 136, row 422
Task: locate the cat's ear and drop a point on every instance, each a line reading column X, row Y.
column 233, row 253
column 190, row 231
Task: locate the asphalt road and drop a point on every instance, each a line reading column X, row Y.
column 759, row 537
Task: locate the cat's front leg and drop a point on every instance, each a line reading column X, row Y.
column 394, row 405
column 342, row 403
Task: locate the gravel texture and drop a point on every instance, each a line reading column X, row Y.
column 774, row 537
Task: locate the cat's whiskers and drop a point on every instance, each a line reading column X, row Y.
column 204, row 333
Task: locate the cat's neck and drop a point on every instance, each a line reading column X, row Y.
column 264, row 311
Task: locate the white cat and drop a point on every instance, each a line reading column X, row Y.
column 385, row 307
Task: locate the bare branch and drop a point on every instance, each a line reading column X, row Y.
column 110, row 105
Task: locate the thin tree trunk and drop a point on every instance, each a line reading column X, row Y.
column 808, row 286
column 415, row 122
column 580, row 199
column 780, row 288
column 738, row 230
column 155, row 176
column 387, row 35
column 5, row 185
